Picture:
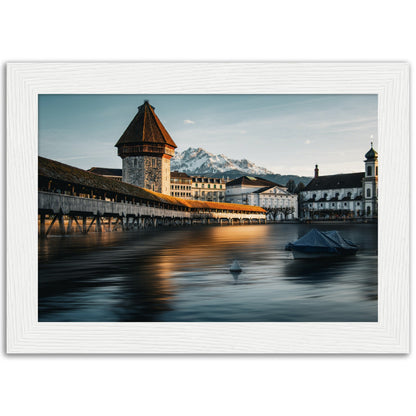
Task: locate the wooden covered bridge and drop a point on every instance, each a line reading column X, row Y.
column 74, row 200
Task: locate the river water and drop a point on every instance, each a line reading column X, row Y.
column 183, row 275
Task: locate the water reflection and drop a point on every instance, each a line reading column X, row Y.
column 317, row 270
column 183, row 275
column 235, row 276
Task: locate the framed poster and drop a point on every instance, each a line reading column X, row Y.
column 259, row 208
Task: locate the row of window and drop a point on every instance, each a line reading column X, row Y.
column 333, row 204
column 207, row 180
column 209, row 186
column 349, row 195
column 183, row 187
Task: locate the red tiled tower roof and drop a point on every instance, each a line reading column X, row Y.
column 145, row 128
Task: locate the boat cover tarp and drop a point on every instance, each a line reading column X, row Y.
column 341, row 241
column 317, row 242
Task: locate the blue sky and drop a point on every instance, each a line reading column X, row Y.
column 287, row 134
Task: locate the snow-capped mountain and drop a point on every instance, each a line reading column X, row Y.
column 197, row 161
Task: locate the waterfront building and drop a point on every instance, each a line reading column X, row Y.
column 180, row 185
column 146, row 149
column 78, row 200
column 274, row 198
column 370, row 183
column 208, row 189
column 351, row 195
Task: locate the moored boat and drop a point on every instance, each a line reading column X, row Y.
column 321, row 244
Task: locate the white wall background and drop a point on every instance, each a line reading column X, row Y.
column 216, row 30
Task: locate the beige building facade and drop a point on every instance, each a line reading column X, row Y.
column 208, row 189
column 180, row 185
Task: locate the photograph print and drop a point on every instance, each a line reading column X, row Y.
column 208, row 208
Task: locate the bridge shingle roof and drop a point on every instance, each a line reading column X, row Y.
column 106, row 171
column 51, row 169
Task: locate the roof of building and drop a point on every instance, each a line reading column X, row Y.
column 252, row 181
column 371, row 154
column 207, row 179
column 176, row 174
column 106, row 171
column 261, row 190
column 344, row 180
column 145, row 128
column 52, row 169
column 266, row 188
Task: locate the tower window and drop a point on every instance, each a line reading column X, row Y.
column 376, row 170
column 369, row 171
column 368, row 193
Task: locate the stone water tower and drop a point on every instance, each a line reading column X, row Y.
column 146, row 149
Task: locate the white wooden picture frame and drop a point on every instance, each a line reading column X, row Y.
column 389, row 80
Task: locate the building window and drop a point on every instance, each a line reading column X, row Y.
column 369, row 171
column 368, row 193
column 376, row 170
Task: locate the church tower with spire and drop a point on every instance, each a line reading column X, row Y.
column 146, row 149
column 370, row 183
